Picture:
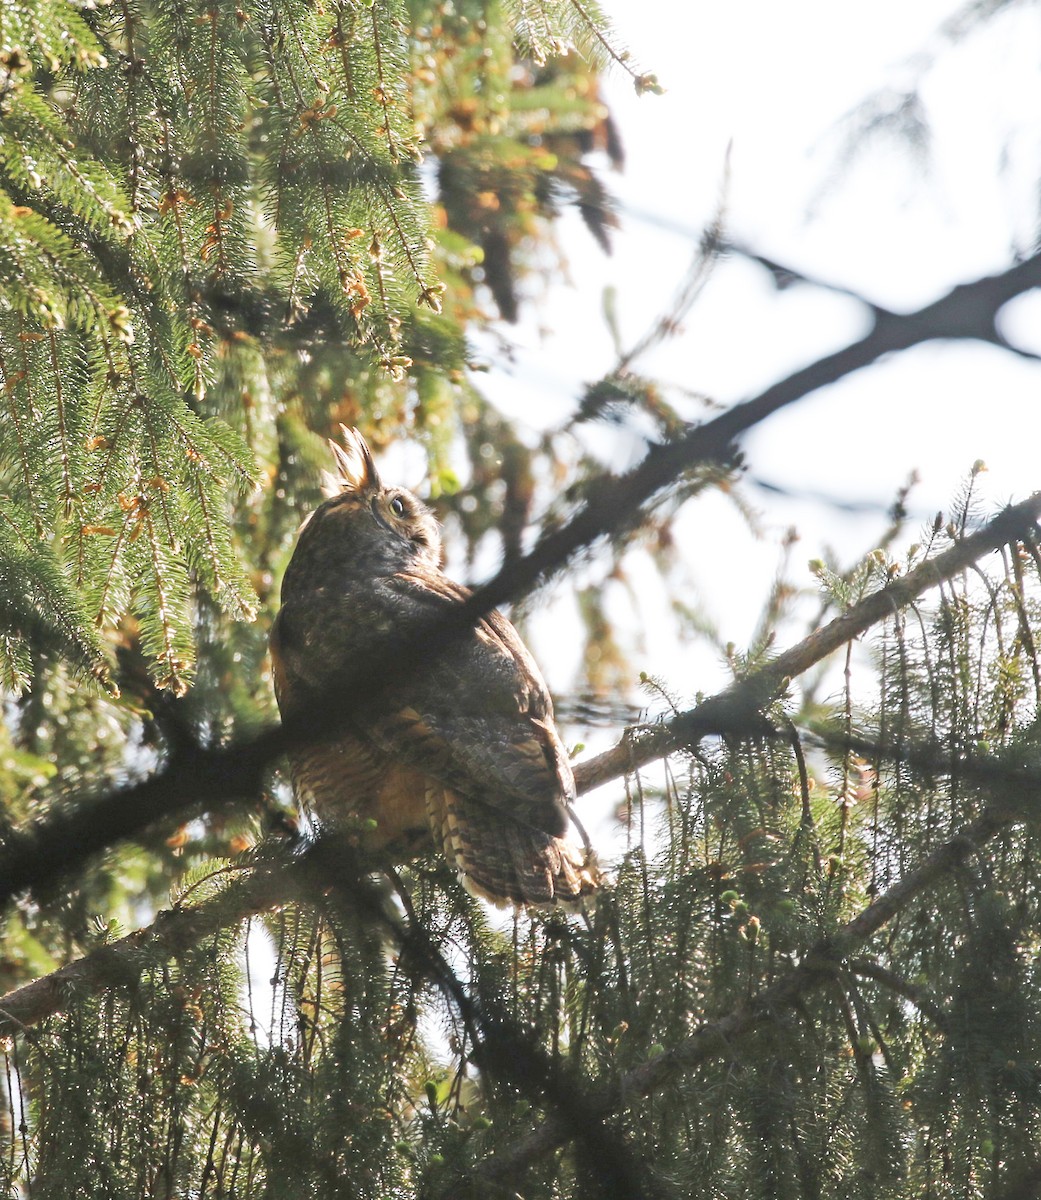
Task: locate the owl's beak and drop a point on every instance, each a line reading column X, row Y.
column 357, row 470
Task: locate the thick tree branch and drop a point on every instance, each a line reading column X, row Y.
column 198, row 778
column 120, row 963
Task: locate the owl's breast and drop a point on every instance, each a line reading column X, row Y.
column 349, row 784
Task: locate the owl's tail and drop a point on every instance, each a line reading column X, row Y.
column 505, row 860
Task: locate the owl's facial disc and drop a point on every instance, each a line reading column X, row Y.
column 398, row 511
column 378, row 516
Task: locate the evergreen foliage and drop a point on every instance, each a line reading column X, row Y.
column 212, row 229
column 814, row 973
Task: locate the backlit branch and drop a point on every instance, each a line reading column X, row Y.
column 738, row 705
column 199, row 778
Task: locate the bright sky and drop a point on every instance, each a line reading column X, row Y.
column 779, row 82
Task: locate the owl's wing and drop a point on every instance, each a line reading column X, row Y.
column 479, row 717
column 301, row 664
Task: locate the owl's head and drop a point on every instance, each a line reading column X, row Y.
column 367, row 517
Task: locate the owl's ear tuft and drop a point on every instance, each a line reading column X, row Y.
column 354, row 463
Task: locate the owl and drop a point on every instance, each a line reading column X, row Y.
column 463, row 749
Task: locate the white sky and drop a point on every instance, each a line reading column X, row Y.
column 777, row 82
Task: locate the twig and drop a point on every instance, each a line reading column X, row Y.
column 872, row 970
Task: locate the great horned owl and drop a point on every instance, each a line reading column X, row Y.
column 465, row 747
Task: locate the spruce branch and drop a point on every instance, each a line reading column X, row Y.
column 331, row 868
column 740, row 703
column 817, row 967
column 120, row 963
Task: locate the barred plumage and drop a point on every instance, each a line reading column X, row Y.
column 467, row 747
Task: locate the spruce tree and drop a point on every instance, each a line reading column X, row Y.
column 224, row 230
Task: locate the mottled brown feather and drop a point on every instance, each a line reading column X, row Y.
column 466, row 747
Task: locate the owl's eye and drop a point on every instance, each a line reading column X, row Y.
column 397, row 506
